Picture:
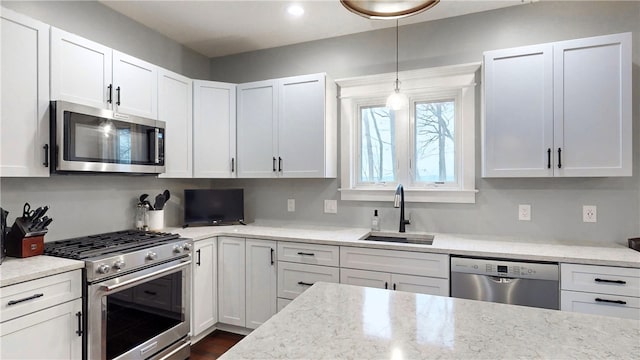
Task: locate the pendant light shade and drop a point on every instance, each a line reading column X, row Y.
column 388, row 9
column 397, row 100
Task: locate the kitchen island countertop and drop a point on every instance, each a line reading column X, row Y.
column 337, row 321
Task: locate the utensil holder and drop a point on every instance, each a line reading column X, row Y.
column 156, row 220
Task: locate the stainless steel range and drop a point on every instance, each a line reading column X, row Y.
column 136, row 293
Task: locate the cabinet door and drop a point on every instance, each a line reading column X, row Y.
column 371, row 279
column 80, row 70
column 135, row 85
column 214, row 129
column 518, row 121
column 47, row 334
column 257, row 129
column 592, row 106
column 420, row 284
column 625, row 307
column 175, row 109
column 204, row 295
column 301, row 130
column 24, row 87
column 294, row 279
column 231, row 281
column 261, row 285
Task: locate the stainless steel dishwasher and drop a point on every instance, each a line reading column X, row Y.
column 508, row 282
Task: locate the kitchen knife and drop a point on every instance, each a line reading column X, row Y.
column 39, row 225
column 45, row 224
column 38, row 213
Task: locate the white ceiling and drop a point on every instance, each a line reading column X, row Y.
column 223, row 27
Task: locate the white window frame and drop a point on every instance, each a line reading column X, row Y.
column 449, row 82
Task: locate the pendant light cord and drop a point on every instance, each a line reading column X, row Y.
column 397, row 66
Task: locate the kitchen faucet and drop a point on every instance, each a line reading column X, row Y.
column 398, row 202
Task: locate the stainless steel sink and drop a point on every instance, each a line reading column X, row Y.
column 422, row 239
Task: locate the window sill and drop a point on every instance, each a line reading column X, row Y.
column 411, row 195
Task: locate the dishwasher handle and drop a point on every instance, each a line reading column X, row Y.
column 501, row 280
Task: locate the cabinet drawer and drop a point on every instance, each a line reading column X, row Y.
column 27, row 297
column 326, row 255
column 393, row 261
column 293, row 279
column 600, row 279
column 600, row 304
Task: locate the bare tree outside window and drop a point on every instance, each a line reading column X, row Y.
column 435, row 141
column 378, row 148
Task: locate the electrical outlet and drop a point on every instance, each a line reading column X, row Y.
column 331, row 206
column 291, row 205
column 589, row 213
column 524, row 212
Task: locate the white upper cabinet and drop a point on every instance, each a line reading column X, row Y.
column 214, row 129
column 24, row 92
column 518, row 129
column 559, row 109
column 89, row 73
column 257, row 129
column 307, row 127
column 175, row 104
column 592, row 106
column 136, row 86
column 287, row 128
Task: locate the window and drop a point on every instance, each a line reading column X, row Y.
column 429, row 147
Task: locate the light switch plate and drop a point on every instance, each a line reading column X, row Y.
column 331, row 206
column 291, row 205
column 524, row 212
column 589, row 213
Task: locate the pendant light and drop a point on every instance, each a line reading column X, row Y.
column 388, row 9
column 397, row 100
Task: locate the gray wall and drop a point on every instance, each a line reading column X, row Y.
column 556, row 203
column 80, row 204
column 101, row 24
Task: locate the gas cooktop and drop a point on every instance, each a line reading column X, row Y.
column 86, row 247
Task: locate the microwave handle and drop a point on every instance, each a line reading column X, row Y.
column 157, row 146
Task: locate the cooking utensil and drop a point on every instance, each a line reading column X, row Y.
column 167, row 196
column 143, row 197
column 160, row 200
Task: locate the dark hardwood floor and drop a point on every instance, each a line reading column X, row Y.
column 214, row 345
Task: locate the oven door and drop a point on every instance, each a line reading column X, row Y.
column 140, row 315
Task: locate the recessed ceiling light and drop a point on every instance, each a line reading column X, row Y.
column 295, row 10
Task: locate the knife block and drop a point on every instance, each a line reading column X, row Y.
column 20, row 243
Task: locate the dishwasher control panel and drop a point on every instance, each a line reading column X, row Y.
column 502, row 268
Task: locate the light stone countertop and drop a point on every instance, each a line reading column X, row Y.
column 15, row 270
column 337, row 321
column 468, row 245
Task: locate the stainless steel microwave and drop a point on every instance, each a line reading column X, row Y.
column 92, row 140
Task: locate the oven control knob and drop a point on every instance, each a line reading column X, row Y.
column 186, row 247
column 104, row 269
column 118, row 265
column 151, row 255
column 177, row 249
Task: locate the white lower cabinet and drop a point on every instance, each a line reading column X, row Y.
column 246, row 281
column 600, row 290
column 294, row 279
column 204, row 312
column 409, row 271
column 34, row 310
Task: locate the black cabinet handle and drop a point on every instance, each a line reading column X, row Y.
column 306, row 254
column 304, row 283
column 110, row 99
column 621, row 282
column 272, row 252
column 118, row 96
column 79, row 316
column 612, row 301
column 198, row 257
column 386, row 285
column 152, row 293
column 279, row 164
column 46, row 155
column 394, row 286
column 549, row 158
column 559, row 158
column 34, row 296
column 233, row 164
column 274, row 164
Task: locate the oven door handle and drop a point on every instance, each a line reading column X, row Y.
column 115, row 285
